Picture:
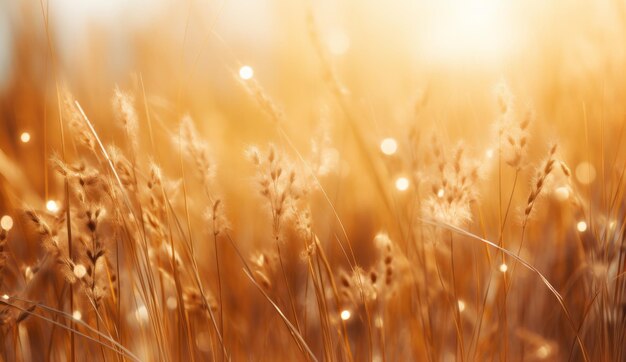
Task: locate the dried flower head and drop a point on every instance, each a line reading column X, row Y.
column 452, row 186
column 512, row 128
column 381, row 281
column 324, row 157
column 79, row 129
column 279, row 185
column 216, row 216
column 539, row 181
column 125, row 112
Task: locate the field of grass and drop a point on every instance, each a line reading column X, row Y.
column 316, row 181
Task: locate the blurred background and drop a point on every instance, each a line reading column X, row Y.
column 358, row 71
column 418, row 66
column 564, row 59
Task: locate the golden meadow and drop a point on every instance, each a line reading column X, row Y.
column 295, row 180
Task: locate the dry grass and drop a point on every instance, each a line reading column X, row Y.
column 167, row 215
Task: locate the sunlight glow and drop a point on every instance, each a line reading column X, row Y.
column 80, row 271
column 543, row 351
column 389, row 146
column 585, row 173
column 171, row 303
column 6, row 222
column 476, row 30
column 461, row 305
column 52, row 206
column 25, row 137
column 246, row 72
column 378, row 322
column 142, row 313
column 338, row 42
column 562, row 193
column 402, row 183
column 345, row 315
